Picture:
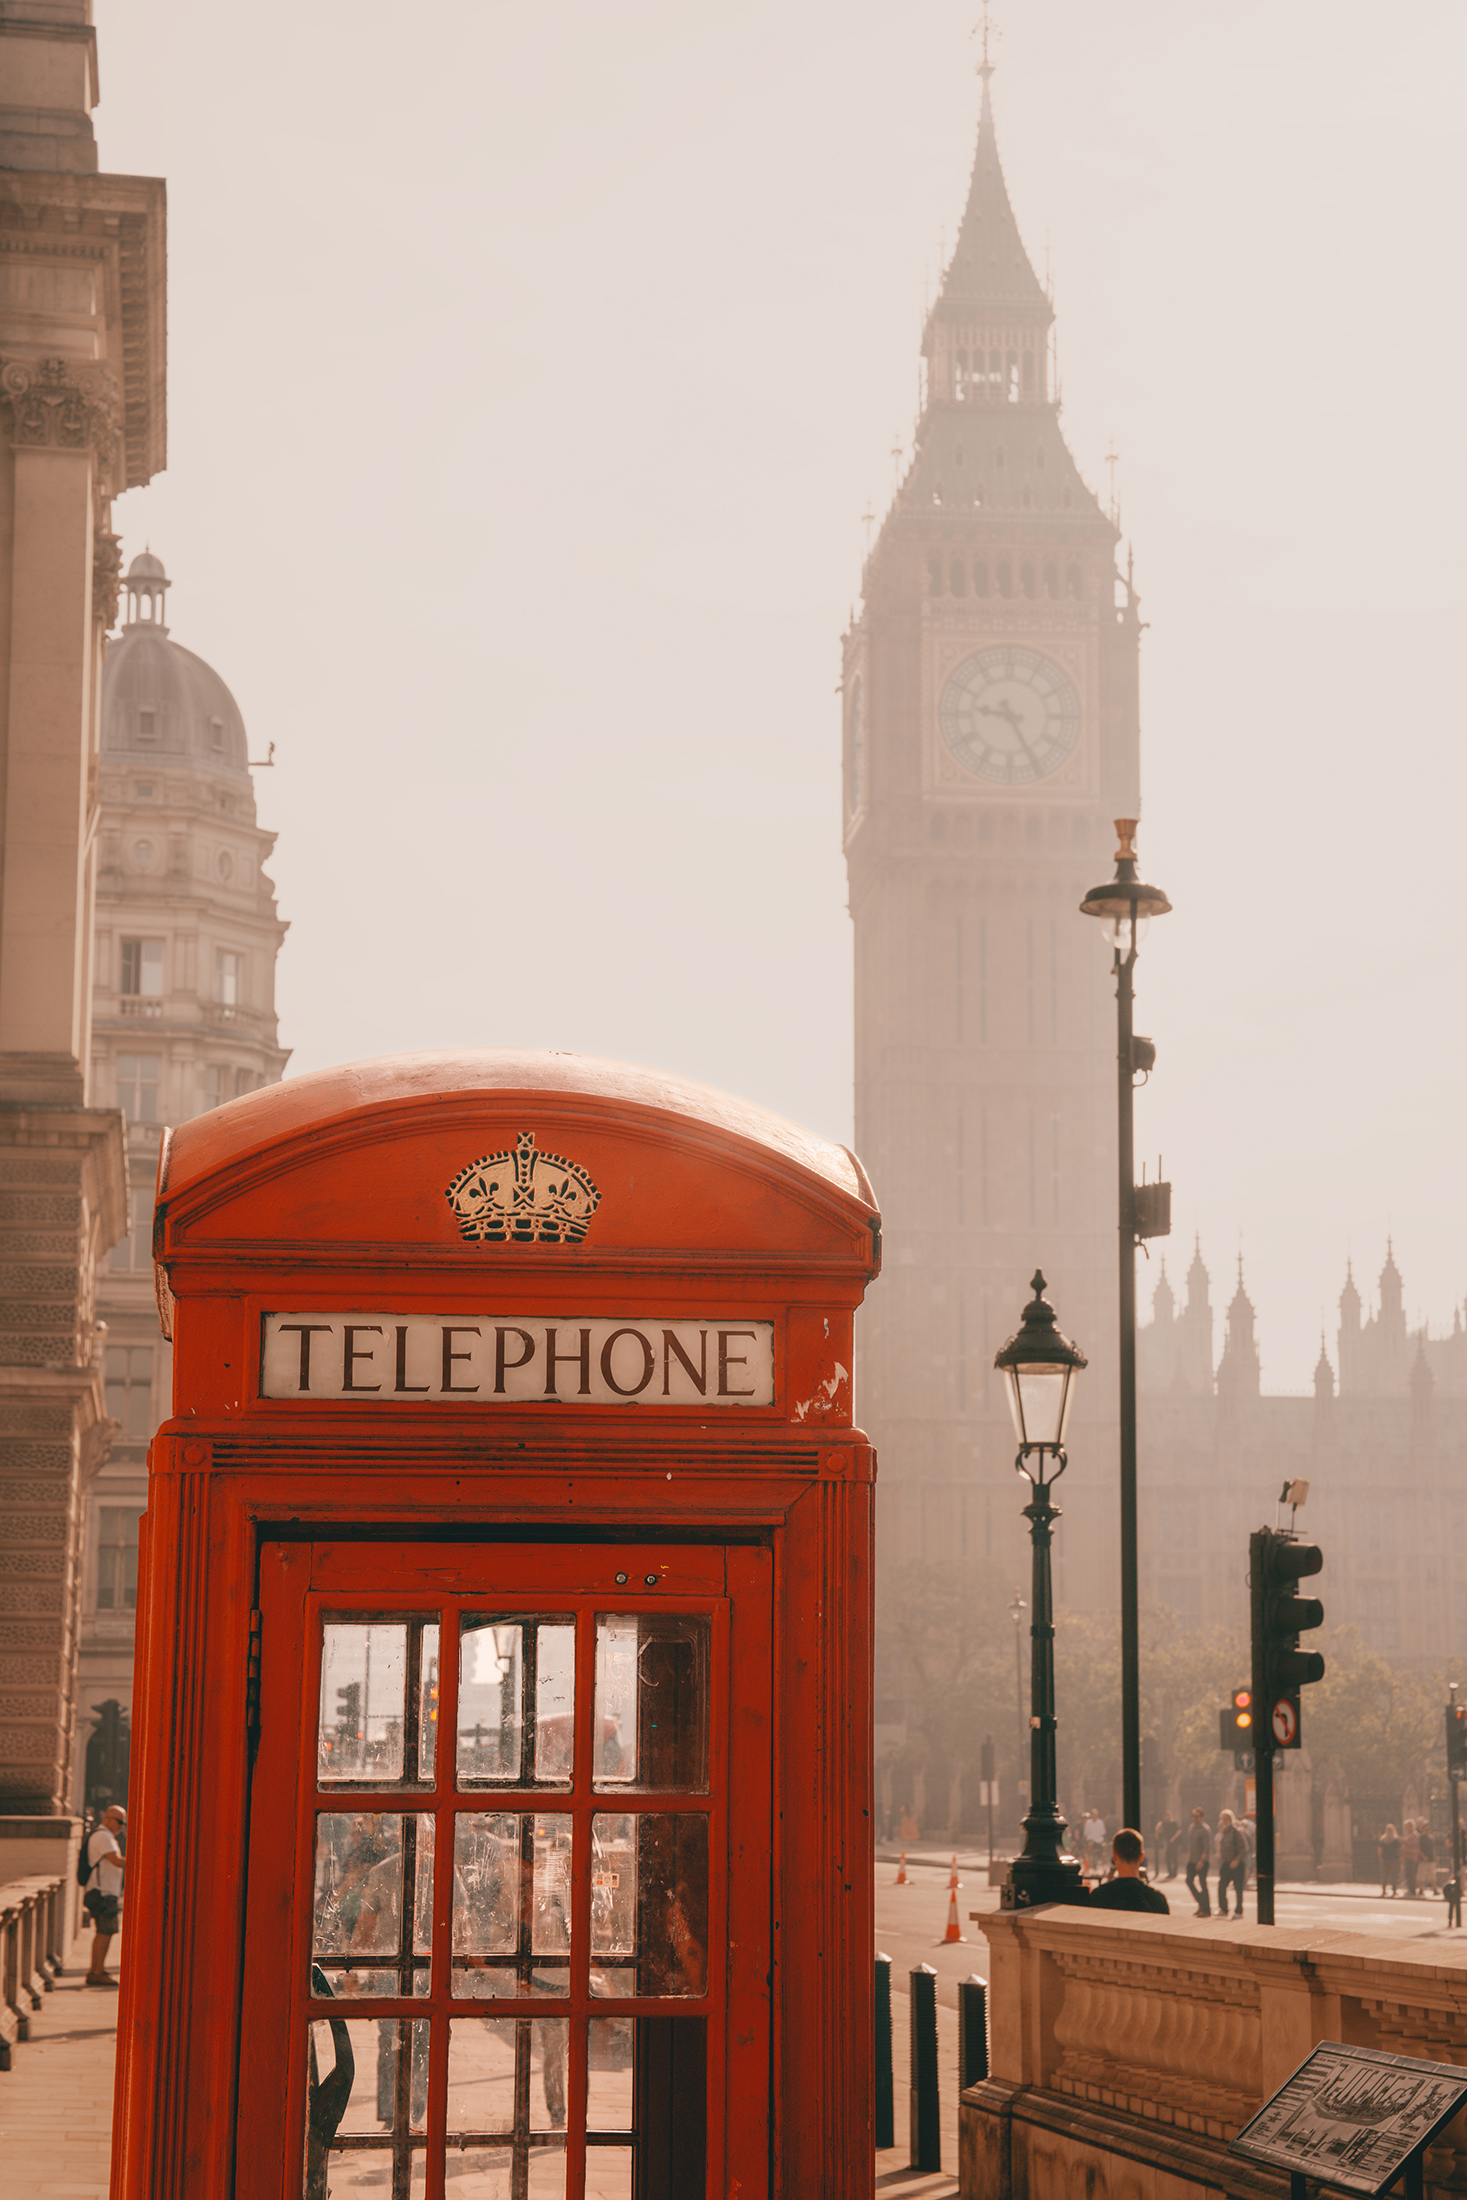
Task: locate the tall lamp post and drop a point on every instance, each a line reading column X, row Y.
column 1016, row 1613
column 1125, row 907
column 1039, row 1366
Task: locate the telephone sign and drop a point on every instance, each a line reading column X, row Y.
column 504, row 1636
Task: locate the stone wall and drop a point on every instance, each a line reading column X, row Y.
column 1124, row 2054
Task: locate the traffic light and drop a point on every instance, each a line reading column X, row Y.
column 1235, row 1725
column 349, row 1716
column 1278, row 1562
column 1457, row 1740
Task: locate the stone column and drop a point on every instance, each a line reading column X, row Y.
column 62, row 1191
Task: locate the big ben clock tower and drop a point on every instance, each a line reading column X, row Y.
column 991, row 735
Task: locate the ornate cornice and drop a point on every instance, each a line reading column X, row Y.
column 61, row 405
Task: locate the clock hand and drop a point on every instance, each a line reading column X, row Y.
column 1014, row 723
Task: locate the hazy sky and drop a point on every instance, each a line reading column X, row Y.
column 530, row 371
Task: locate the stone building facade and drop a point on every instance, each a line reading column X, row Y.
column 1383, row 1445
column 183, row 1018
column 991, row 730
column 81, row 419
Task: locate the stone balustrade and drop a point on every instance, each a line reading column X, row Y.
column 1125, row 2052
column 32, row 1923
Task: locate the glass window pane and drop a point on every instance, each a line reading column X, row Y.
column 515, row 1701
column 367, row 2079
column 652, row 1696
column 609, row 2074
column 506, row 2075
column 379, row 1700
column 649, row 1902
column 511, row 1904
column 374, row 1871
column 609, row 2173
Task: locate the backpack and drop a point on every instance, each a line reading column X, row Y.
column 84, row 1870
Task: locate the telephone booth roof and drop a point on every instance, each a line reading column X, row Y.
column 356, row 1166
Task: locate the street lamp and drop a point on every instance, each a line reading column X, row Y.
column 1016, row 1613
column 1125, row 907
column 1039, row 1366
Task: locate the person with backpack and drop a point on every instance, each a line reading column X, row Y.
column 99, row 1867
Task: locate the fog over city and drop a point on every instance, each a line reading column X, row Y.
column 529, row 378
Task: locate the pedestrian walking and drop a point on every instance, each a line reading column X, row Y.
column 1168, row 1834
column 1126, row 1889
column 1410, row 1857
column 1426, row 1879
column 1389, row 1846
column 1199, row 1859
column 1094, row 1840
column 102, row 1899
column 1232, row 1861
column 1174, row 1848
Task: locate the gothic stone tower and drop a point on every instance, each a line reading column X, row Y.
column 991, row 736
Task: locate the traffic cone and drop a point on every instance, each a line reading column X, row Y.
column 954, row 1929
column 953, row 1876
column 901, row 1877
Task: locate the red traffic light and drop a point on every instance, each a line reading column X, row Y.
column 1242, row 1697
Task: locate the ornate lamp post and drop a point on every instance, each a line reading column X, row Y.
column 1039, row 1366
column 1125, row 907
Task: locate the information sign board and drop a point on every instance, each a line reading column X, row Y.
column 1353, row 2119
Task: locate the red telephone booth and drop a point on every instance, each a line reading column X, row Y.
column 503, row 1791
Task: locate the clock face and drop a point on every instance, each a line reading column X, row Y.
column 1009, row 716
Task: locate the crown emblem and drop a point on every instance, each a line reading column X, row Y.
column 523, row 1198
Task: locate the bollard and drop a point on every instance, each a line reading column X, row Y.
column 885, row 2109
column 972, row 2031
column 926, row 2126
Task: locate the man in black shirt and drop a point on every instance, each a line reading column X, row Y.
column 1128, row 1890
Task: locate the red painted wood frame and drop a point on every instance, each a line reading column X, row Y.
column 315, row 1197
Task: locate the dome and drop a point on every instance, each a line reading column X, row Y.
column 160, row 702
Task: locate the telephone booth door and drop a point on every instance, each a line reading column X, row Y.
column 508, row 1901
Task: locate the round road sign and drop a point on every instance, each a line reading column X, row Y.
column 1285, row 1721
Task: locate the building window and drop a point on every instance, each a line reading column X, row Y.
column 130, row 1390
column 117, row 1558
column 1375, row 1614
column 244, row 1081
column 144, row 790
column 142, row 968
column 216, row 1085
column 228, row 977
column 216, row 733
column 148, row 728
column 134, row 1251
column 137, row 1087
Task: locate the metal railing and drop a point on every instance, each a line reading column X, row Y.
column 32, row 1926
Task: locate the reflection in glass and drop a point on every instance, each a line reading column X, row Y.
column 511, row 1902
column 506, row 2075
column 649, row 1901
column 516, row 1696
column 652, row 1698
column 373, row 1900
column 366, row 2081
column 379, row 1700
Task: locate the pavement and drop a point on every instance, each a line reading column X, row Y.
column 56, row 2100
